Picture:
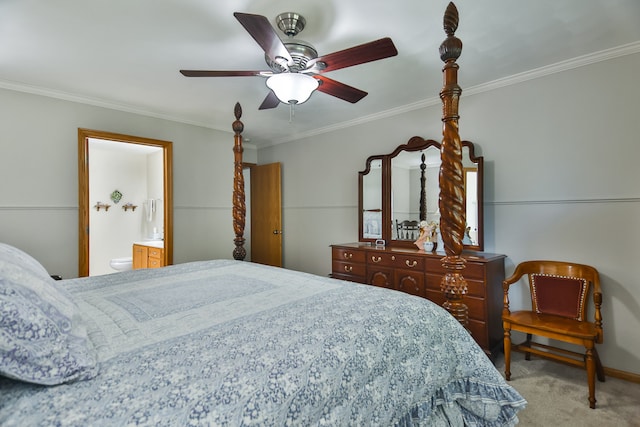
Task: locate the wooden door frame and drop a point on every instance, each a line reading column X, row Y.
column 83, row 191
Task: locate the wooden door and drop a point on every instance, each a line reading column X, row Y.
column 266, row 214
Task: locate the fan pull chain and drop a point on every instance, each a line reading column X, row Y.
column 291, row 111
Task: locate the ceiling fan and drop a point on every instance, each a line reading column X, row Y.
column 295, row 65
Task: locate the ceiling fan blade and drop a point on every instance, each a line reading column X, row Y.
column 263, row 33
column 271, row 101
column 340, row 90
column 372, row 51
column 205, row 73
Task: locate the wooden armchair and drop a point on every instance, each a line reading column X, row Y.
column 559, row 292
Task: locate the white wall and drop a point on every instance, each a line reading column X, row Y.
column 561, row 181
column 39, row 176
column 155, row 191
column 113, row 231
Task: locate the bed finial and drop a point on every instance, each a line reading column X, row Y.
column 452, row 194
column 237, row 111
column 451, row 48
column 239, row 207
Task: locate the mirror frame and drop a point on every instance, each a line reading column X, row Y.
column 384, row 190
column 416, row 143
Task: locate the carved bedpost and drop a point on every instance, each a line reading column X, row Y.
column 239, row 207
column 451, row 203
column 423, row 190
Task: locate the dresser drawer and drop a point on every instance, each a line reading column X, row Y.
column 154, row 262
column 409, row 262
column 475, row 302
column 478, row 330
column 476, row 307
column 474, row 287
column 380, row 258
column 343, row 254
column 476, row 325
column 380, row 276
column 155, row 252
column 411, row 282
column 435, row 296
column 349, row 268
column 432, row 281
column 472, row 270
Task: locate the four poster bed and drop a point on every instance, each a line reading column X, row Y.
column 229, row 343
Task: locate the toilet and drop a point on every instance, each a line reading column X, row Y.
column 122, row 264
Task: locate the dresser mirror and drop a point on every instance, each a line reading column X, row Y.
column 398, row 190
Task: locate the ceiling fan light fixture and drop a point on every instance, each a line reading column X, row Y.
column 292, row 88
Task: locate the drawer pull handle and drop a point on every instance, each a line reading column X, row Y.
column 376, row 258
column 413, row 264
column 348, row 255
column 348, row 268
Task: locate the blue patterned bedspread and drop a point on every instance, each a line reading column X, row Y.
column 228, row 343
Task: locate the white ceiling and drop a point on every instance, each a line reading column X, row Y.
column 126, row 54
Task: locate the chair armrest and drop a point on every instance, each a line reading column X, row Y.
column 510, row 281
column 515, row 277
column 506, row 283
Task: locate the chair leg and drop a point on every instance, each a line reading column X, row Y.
column 527, row 355
column 591, row 377
column 507, row 353
column 599, row 368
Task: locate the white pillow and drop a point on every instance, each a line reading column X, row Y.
column 42, row 340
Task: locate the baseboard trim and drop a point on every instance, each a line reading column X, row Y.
column 623, row 375
column 608, row 372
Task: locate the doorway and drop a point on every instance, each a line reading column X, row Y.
column 85, row 201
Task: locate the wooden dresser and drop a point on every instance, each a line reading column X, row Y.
column 420, row 273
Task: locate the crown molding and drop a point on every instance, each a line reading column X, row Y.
column 581, row 61
column 558, row 67
column 96, row 102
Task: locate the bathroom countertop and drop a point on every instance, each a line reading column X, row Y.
column 152, row 243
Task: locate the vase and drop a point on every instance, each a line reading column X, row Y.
column 430, row 246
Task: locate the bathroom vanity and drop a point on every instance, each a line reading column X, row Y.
column 148, row 254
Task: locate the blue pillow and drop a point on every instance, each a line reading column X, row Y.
column 42, row 339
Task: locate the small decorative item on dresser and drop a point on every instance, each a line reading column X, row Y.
column 428, row 239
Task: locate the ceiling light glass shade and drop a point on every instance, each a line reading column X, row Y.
column 292, row 88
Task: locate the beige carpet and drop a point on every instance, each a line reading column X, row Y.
column 558, row 396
